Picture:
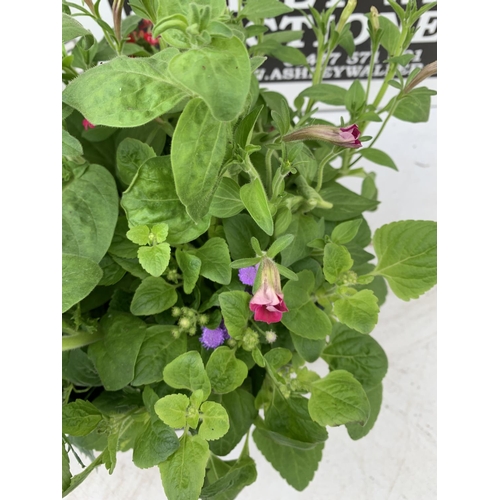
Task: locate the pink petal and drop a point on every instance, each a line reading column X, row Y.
column 263, row 314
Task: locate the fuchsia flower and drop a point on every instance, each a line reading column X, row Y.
column 347, row 137
column 86, row 124
column 267, row 303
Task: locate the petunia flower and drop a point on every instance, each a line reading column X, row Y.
column 267, row 303
column 210, row 339
column 247, row 275
column 347, row 137
column 149, row 38
column 86, row 124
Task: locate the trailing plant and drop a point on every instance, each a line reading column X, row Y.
column 210, row 253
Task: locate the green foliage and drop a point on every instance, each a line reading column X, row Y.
column 183, row 182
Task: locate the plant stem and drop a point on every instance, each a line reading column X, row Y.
column 327, row 159
column 80, row 340
column 269, row 172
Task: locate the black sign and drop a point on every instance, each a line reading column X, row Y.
column 341, row 66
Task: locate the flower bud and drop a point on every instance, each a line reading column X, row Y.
column 184, row 323
column 250, row 340
column 176, row 312
column 374, row 18
column 346, row 137
column 346, row 13
column 425, row 72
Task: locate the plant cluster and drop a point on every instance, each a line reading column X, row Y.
column 210, row 253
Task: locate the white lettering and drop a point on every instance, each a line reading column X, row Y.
column 363, row 35
column 275, row 74
column 300, row 4
column 427, row 24
column 297, row 23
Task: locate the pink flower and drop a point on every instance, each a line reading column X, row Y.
column 267, row 303
column 86, row 124
column 149, row 38
column 347, row 137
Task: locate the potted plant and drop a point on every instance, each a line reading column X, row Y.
column 210, row 254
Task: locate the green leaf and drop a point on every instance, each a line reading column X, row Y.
column 235, row 311
column 151, row 199
column 346, row 204
column 260, row 9
column 153, row 296
column 139, row 235
column 309, row 349
column 326, row 93
column 379, row 157
column 154, row 259
column 336, row 260
column 290, row 55
column 390, row 35
column 346, row 231
column 358, row 354
column 243, row 132
column 159, row 348
column 239, row 230
column 78, row 369
column 215, row 261
column 241, row 411
column 190, row 265
column 89, row 213
column 279, row 245
column 355, row 97
column 308, row 321
column 160, row 231
column 198, row 147
column 403, row 60
column 338, row 399
column 415, row 107
column 241, row 474
column 172, row 410
column 225, row 371
column 255, row 200
column 66, row 473
column 215, row 421
column 71, row 146
column 115, row 356
column 130, row 155
column 187, row 372
column 79, row 277
column 219, row 73
column 71, row 28
column 125, row 92
column 79, row 478
column 80, row 418
column 406, row 252
column 112, row 272
column 226, row 201
column 297, row 293
column 305, row 229
column 121, row 246
column 357, row 431
column 358, row 311
column 182, row 474
column 157, row 441
column 296, row 466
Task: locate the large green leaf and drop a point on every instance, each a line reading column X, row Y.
column 338, row 399
column 130, row 155
column 358, row 311
column 239, row 231
column 356, row 353
column 324, row 92
column 240, row 408
column 79, row 277
column 357, row 431
column 255, row 200
column 407, row 256
column 226, row 201
column 260, row 9
column 296, row 466
column 215, row 261
column 225, row 371
column 235, row 311
column 336, row 260
column 71, row 28
column 183, row 472
column 346, row 204
column 198, row 147
column 308, row 321
column 304, row 228
column 151, row 199
column 219, row 73
column 125, row 92
column 89, row 213
column 116, row 354
column 190, row 265
column 415, row 107
column 80, row 418
column 159, row 348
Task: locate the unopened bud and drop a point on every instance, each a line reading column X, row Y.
column 176, row 312
column 425, row 72
column 346, row 13
column 203, row 319
column 250, row 340
column 192, row 330
column 347, row 137
column 231, row 342
column 176, row 333
column 374, row 18
column 184, row 323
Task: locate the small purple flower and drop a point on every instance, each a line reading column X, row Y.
column 210, row 339
column 247, row 275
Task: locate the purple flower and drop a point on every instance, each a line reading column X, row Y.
column 247, row 275
column 210, row 339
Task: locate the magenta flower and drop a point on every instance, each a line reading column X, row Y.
column 86, row 124
column 347, row 137
column 247, row 275
column 149, row 38
column 267, row 303
column 210, row 339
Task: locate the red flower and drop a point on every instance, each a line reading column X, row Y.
column 347, row 137
column 149, row 38
column 86, row 124
column 267, row 303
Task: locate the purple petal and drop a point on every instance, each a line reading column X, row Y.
column 247, row 275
